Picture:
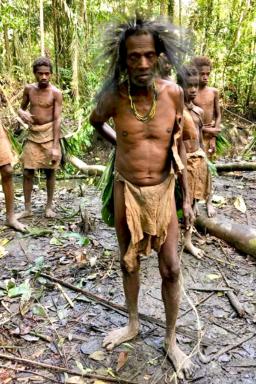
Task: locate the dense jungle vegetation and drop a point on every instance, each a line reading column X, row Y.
column 70, row 31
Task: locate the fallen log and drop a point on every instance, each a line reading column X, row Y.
column 91, row 170
column 236, row 166
column 240, row 236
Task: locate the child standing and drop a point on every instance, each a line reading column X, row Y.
column 208, row 99
column 199, row 178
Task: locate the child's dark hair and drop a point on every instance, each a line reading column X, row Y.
column 184, row 73
column 200, row 61
column 42, row 61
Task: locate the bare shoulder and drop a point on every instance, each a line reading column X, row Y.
column 199, row 111
column 105, row 107
column 173, row 90
column 56, row 91
column 214, row 90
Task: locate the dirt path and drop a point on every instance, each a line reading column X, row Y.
column 53, row 332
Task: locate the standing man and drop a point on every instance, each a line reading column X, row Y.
column 42, row 148
column 208, row 99
column 147, row 112
column 6, row 158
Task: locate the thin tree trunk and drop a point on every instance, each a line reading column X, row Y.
column 42, row 26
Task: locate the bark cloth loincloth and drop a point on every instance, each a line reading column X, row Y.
column 199, row 180
column 6, row 156
column 148, row 209
column 36, row 153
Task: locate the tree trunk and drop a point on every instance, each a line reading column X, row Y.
column 171, row 9
column 239, row 166
column 240, row 236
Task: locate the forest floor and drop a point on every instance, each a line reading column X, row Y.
column 43, row 326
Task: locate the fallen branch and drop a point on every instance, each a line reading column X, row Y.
column 65, row 295
column 63, row 369
column 240, row 236
column 91, row 170
column 232, row 297
column 116, row 307
column 207, row 359
column 236, row 166
column 210, row 289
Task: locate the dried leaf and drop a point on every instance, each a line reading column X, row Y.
column 30, row 338
column 213, row 276
column 97, row 356
column 122, row 359
column 240, row 204
column 55, row 241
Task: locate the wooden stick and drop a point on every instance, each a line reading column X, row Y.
column 63, row 369
column 106, row 303
column 65, row 295
column 207, row 359
column 197, row 304
column 210, row 289
column 26, row 371
column 232, row 297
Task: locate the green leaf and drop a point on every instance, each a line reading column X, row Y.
column 39, row 310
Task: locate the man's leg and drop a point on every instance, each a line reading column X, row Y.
column 188, row 246
column 50, row 185
column 7, row 183
column 130, row 280
column 28, row 176
column 169, row 265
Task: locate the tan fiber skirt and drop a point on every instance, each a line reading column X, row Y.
column 199, row 179
column 37, row 156
column 6, row 156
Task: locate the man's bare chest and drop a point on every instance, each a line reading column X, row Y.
column 41, row 99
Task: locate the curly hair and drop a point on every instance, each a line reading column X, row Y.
column 200, row 61
column 41, row 61
column 167, row 40
column 184, row 73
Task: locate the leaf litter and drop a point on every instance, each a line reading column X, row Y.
column 91, row 262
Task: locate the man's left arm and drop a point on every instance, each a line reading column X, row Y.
column 217, row 114
column 56, row 125
column 182, row 176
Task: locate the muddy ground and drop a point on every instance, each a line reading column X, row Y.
column 55, row 332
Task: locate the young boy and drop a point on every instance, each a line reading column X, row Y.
column 6, row 170
column 199, row 179
column 208, row 99
column 42, row 149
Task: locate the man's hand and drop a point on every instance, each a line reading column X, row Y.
column 188, row 215
column 26, row 116
column 55, row 155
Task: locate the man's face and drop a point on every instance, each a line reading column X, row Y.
column 141, row 59
column 43, row 75
column 191, row 88
column 204, row 73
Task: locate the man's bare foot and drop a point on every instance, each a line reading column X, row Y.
column 49, row 213
column 120, row 335
column 210, row 210
column 194, row 251
column 181, row 362
column 26, row 213
column 15, row 224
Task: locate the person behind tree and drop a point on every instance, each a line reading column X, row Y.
column 42, row 148
column 199, row 178
column 208, row 99
column 6, row 171
column 147, row 112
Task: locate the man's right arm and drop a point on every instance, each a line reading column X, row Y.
column 99, row 118
column 25, row 115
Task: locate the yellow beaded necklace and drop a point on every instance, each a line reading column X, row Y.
column 151, row 113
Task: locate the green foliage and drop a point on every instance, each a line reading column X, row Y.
column 223, row 30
